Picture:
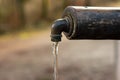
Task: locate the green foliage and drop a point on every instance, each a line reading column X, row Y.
column 22, row 1
column 4, row 12
column 44, row 8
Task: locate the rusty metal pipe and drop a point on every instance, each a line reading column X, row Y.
column 92, row 23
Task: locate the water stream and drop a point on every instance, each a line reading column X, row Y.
column 55, row 54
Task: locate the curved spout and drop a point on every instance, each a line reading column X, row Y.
column 59, row 26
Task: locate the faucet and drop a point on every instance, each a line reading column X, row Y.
column 96, row 23
column 59, row 26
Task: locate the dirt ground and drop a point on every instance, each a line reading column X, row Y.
column 32, row 59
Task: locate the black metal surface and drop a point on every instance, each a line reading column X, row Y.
column 93, row 23
column 58, row 27
column 88, row 23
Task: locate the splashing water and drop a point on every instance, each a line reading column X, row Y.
column 55, row 54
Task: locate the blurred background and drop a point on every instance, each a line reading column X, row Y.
column 26, row 49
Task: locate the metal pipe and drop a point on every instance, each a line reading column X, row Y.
column 91, row 23
column 59, row 26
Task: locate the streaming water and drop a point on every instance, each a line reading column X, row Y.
column 55, row 54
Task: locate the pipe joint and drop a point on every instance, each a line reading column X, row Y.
column 59, row 26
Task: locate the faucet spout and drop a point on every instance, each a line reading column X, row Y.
column 59, row 26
